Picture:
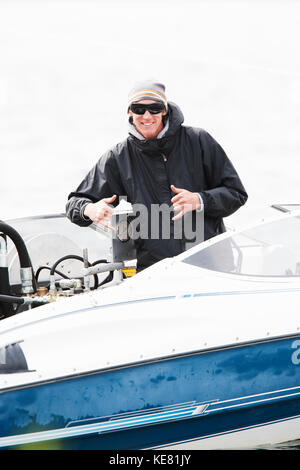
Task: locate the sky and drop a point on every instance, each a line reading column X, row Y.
column 233, row 67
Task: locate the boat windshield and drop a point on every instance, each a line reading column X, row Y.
column 271, row 249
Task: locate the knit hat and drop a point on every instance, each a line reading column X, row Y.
column 148, row 90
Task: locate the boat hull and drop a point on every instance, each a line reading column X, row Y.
column 223, row 398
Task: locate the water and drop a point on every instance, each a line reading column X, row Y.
column 67, row 66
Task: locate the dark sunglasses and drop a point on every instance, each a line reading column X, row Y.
column 153, row 108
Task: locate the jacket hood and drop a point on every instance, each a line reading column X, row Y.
column 176, row 118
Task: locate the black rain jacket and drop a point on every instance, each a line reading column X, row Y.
column 143, row 170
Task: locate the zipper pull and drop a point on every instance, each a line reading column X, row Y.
column 164, row 157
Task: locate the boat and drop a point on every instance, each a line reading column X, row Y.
column 199, row 351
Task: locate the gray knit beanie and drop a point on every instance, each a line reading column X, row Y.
column 147, row 90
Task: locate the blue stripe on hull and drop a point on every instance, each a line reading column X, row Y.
column 181, row 431
column 243, row 386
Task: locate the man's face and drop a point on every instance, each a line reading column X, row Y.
column 149, row 125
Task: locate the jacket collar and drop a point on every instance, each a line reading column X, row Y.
column 133, row 131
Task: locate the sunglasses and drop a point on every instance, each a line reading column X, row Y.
column 153, row 108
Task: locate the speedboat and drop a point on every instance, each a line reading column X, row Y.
column 199, row 351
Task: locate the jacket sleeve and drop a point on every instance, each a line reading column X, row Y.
column 225, row 193
column 102, row 181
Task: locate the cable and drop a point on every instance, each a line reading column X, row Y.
column 48, row 267
column 79, row 258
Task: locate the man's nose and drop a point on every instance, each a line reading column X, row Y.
column 147, row 115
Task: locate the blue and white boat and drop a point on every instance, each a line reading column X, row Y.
column 201, row 351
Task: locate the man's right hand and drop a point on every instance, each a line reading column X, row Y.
column 100, row 211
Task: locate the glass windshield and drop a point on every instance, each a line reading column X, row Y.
column 271, row 249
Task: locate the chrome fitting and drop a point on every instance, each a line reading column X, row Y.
column 26, row 280
column 86, row 279
column 52, row 287
column 40, row 300
column 70, row 284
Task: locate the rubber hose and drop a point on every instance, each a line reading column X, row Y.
column 79, row 258
column 47, row 267
column 11, row 299
column 24, row 258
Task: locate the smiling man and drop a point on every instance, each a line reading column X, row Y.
column 147, row 117
column 160, row 162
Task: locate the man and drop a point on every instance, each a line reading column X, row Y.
column 160, row 162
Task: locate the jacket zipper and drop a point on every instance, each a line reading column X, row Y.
column 165, row 160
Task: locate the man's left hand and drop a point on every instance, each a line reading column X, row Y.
column 184, row 201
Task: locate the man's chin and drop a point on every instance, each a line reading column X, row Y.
column 148, row 134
